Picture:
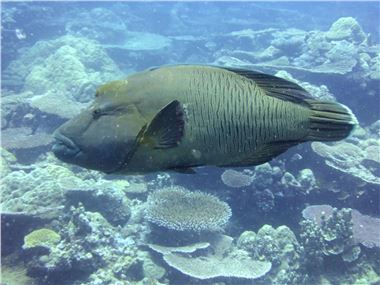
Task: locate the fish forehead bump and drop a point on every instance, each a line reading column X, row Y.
column 112, row 87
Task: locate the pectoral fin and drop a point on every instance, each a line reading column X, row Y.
column 166, row 129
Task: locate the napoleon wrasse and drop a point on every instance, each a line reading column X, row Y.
column 180, row 117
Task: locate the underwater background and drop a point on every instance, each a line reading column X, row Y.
column 310, row 216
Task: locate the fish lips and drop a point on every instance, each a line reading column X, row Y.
column 64, row 148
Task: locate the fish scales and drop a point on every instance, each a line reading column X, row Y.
column 240, row 109
column 220, row 104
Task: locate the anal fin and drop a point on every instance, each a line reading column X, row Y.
column 183, row 170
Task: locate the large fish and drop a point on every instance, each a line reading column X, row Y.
column 179, row 117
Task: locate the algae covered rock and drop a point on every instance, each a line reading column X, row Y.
column 50, row 103
column 15, row 272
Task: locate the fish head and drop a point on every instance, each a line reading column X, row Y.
column 101, row 136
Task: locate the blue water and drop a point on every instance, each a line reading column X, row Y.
column 55, row 55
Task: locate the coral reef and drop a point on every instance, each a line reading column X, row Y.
column 236, row 179
column 223, row 261
column 41, row 237
column 281, row 248
column 65, row 67
column 105, row 199
column 70, row 65
column 24, row 138
column 74, row 226
column 343, row 49
column 182, row 249
column 346, row 29
column 88, row 243
column 54, row 76
column 319, row 92
column 51, row 105
column 181, row 210
column 364, row 228
column 23, row 192
column 269, row 181
column 23, row 189
column 333, row 236
column 14, row 272
column 7, row 159
column 218, row 266
column 358, row 156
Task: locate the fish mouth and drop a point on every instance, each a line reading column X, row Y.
column 64, row 147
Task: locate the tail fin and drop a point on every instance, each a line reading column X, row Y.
column 330, row 121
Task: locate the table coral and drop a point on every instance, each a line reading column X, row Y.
column 223, row 261
column 182, row 210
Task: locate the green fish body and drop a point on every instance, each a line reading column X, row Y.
column 188, row 115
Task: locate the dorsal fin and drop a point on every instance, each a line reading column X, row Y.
column 275, row 86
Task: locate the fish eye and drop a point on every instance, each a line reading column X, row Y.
column 96, row 113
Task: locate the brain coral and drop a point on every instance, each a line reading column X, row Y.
column 183, row 210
